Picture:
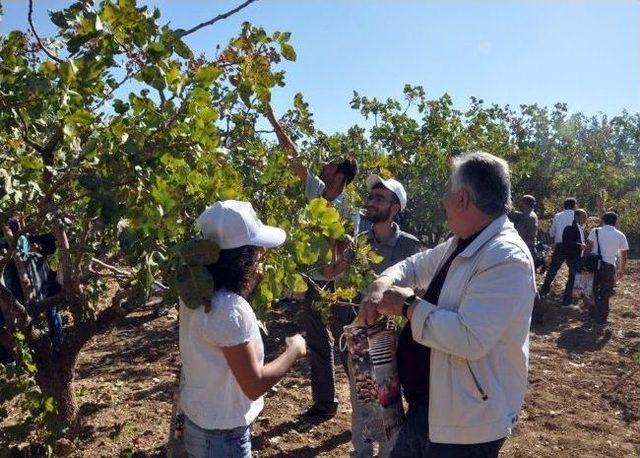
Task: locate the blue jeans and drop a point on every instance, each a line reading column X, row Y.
column 216, row 443
column 413, row 437
column 55, row 327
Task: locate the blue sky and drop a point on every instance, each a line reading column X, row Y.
column 582, row 52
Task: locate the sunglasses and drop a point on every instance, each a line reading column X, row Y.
column 378, row 198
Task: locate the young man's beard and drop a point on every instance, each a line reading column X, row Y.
column 378, row 216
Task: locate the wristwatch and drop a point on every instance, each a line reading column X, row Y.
column 407, row 302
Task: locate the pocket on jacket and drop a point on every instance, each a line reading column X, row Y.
column 471, row 399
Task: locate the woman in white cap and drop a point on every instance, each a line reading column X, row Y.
column 224, row 375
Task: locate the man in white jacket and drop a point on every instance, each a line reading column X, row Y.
column 474, row 316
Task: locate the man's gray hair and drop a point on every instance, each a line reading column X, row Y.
column 486, row 178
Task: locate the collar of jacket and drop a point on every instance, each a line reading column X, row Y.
column 487, row 234
column 393, row 238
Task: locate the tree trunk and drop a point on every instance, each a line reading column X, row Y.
column 55, row 378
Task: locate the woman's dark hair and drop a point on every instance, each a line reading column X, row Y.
column 234, row 268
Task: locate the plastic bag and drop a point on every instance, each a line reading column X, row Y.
column 583, row 285
column 373, row 369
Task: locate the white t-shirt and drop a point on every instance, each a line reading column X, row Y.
column 612, row 241
column 210, row 394
column 560, row 221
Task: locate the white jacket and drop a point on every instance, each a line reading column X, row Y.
column 478, row 333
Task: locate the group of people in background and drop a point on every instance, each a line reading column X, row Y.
column 572, row 246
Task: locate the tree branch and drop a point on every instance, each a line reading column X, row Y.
column 124, row 273
column 14, row 313
column 40, row 306
column 217, row 18
column 127, row 77
column 70, row 279
column 33, row 29
column 25, row 134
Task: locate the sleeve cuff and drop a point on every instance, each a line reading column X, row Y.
column 419, row 317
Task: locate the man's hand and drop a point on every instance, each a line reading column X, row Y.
column 393, row 300
column 368, row 306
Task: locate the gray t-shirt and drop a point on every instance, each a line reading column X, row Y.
column 397, row 248
column 314, row 187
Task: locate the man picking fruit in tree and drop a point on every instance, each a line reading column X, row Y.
column 333, row 178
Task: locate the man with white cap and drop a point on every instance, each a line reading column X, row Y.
column 223, row 370
column 385, row 201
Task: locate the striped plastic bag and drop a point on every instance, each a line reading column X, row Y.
column 373, row 369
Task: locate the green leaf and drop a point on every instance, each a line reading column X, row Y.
column 181, row 49
column 120, row 107
column 153, row 77
column 245, row 92
column 49, row 405
column 156, row 50
column 192, row 279
column 48, row 66
column 299, row 285
column 68, row 71
column 207, row 74
column 287, row 51
column 59, row 19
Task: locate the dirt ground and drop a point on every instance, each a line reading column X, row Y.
column 579, row 403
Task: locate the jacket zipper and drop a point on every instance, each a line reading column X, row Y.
column 475, row 381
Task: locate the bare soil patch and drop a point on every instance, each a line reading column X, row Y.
column 579, row 403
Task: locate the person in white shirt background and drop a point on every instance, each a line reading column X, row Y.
column 560, row 221
column 612, row 246
column 223, row 370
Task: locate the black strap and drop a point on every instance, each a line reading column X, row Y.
column 598, row 240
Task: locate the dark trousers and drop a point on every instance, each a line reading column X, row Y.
column 54, row 320
column 413, row 442
column 557, row 259
column 604, row 281
column 321, row 338
column 574, row 265
column 484, row 450
column 413, row 437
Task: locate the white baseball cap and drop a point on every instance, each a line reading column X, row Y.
column 233, row 223
column 392, row 185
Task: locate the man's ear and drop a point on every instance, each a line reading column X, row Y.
column 463, row 199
